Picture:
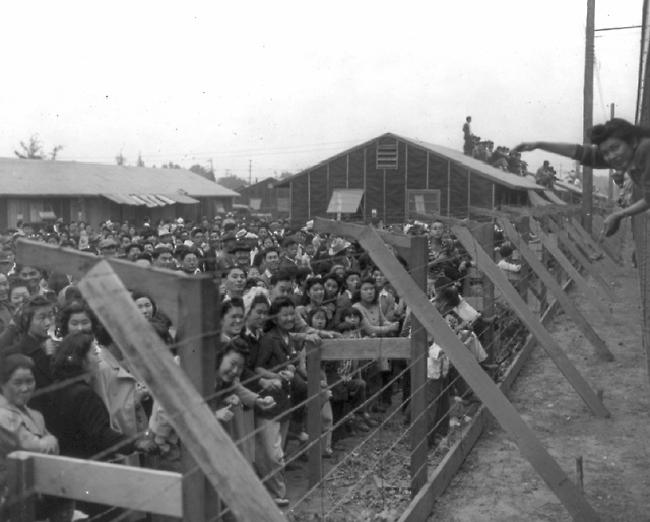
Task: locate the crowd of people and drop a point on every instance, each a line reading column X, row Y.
column 67, row 389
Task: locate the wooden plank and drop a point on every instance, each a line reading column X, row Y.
column 162, row 285
column 519, row 307
column 418, row 259
column 572, row 272
column 340, row 228
column 141, row 489
column 216, row 454
column 589, row 240
column 610, row 267
column 422, row 505
column 570, row 496
column 370, row 348
column 198, row 334
column 589, row 267
column 447, row 220
column 314, row 406
column 21, row 498
column 551, row 284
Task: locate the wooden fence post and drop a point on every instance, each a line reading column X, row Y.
column 418, row 258
column 199, row 341
column 21, row 497
column 314, row 425
column 485, row 237
column 212, row 448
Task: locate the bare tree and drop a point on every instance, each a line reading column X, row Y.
column 140, row 161
column 202, row 171
column 33, row 149
column 55, row 151
column 120, row 160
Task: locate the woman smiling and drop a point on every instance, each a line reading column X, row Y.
column 617, row 145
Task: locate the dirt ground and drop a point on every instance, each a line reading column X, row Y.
column 497, row 484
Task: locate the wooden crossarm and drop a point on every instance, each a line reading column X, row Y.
column 213, row 450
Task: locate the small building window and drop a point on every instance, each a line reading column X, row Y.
column 387, row 156
column 423, row 202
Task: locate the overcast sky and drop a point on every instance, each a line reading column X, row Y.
column 287, row 84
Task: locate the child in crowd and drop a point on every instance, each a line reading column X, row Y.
column 437, row 395
column 506, row 263
column 318, row 320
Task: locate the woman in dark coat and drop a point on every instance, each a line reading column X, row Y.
column 76, row 415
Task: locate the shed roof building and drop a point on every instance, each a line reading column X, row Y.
column 72, row 190
column 395, row 178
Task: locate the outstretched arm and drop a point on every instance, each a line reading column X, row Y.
column 563, row 149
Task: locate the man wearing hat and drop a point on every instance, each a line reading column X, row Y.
column 163, row 257
column 108, row 247
column 226, row 257
column 339, row 254
column 242, row 254
column 290, row 250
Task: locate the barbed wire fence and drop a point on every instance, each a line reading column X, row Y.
column 510, row 324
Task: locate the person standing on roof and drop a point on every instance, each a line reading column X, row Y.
column 468, row 142
column 618, row 145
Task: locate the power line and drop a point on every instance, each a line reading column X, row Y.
column 619, row 28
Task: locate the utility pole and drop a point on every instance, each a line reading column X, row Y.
column 610, row 183
column 250, row 172
column 214, row 178
column 588, row 115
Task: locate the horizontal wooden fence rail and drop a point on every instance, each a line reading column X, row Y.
column 166, row 290
column 147, row 490
column 360, row 349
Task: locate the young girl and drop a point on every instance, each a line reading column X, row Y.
column 506, row 263
column 374, row 324
column 317, row 319
column 231, row 395
column 277, row 359
column 437, row 395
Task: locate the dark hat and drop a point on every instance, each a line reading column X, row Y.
column 107, row 243
column 228, row 236
column 241, row 244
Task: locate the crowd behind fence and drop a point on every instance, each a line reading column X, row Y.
column 286, row 294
